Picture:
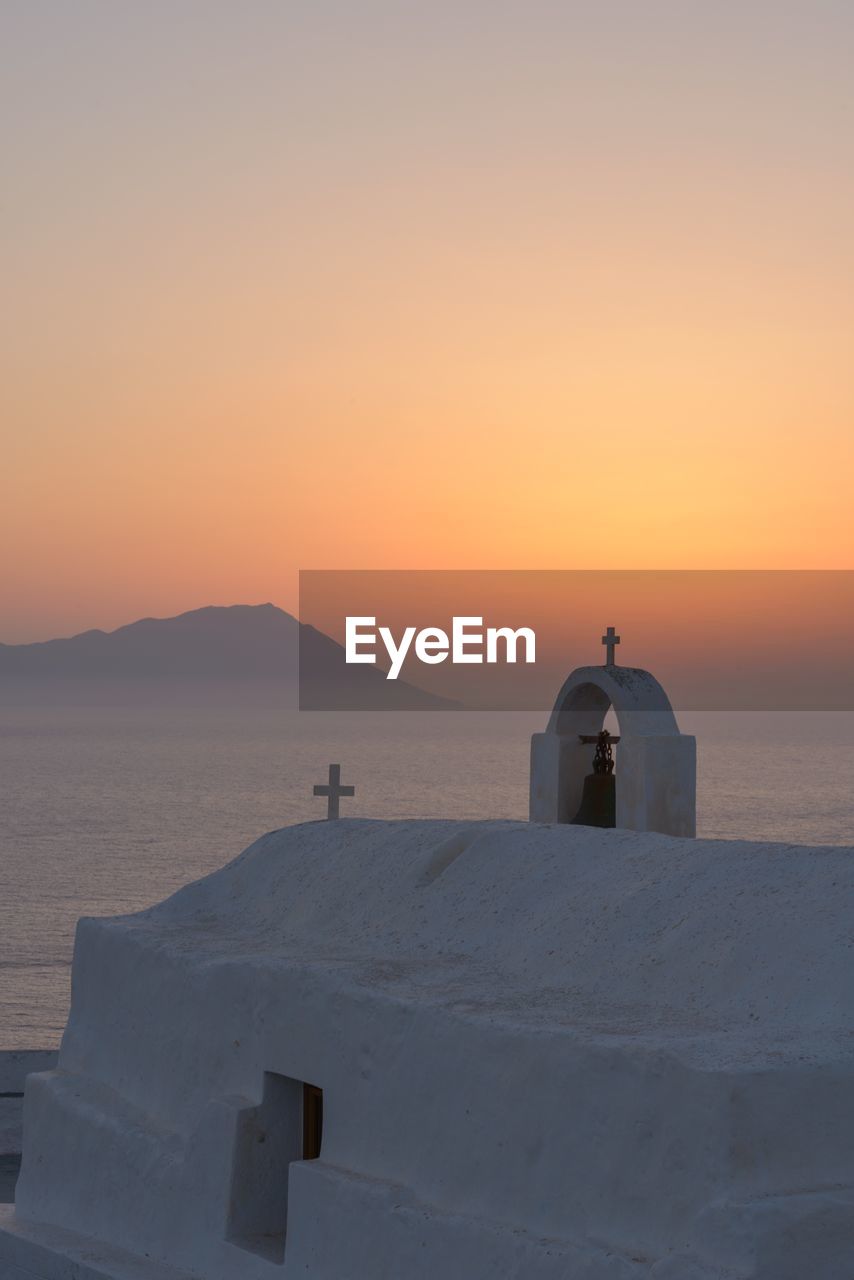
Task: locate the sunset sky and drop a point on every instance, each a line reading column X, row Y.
column 456, row 284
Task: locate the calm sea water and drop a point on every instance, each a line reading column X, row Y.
column 108, row 810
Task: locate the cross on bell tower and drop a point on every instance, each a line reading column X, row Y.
column 610, row 641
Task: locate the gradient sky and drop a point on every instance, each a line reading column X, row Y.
column 468, row 284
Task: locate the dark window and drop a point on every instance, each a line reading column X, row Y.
column 312, row 1121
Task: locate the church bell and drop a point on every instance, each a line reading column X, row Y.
column 599, row 797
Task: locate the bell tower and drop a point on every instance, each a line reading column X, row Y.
column 654, row 784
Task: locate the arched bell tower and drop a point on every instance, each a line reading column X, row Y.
column 656, row 772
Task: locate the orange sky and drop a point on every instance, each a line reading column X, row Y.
column 517, row 286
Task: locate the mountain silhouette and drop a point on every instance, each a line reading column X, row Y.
column 247, row 644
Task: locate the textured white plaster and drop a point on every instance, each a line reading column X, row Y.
column 546, row 1052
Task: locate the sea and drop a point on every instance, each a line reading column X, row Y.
column 106, row 810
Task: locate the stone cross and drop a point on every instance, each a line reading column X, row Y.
column 333, row 790
column 610, row 641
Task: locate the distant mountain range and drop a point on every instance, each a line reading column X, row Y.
column 247, row 644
